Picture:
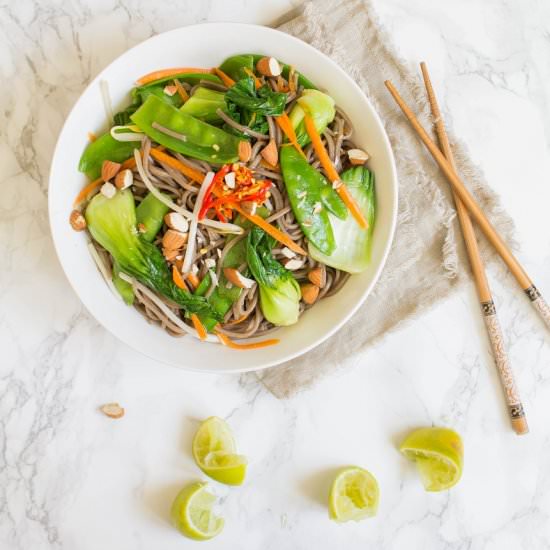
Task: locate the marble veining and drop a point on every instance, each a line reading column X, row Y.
column 71, row 479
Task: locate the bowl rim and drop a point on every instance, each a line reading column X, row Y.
column 393, row 180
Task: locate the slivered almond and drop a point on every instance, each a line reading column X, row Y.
column 268, row 66
column 176, row 221
column 124, row 179
column 141, row 228
column 358, row 156
column 245, row 150
column 230, row 180
column 112, row 410
column 270, row 153
column 287, row 253
column 237, row 278
column 109, row 170
column 310, row 293
column 77, row 220
column 170, row 90
column 318, row 276
column 210, row 263
column 293, row 264
column 174, row 240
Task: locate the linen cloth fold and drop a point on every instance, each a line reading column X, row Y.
column 427, row 261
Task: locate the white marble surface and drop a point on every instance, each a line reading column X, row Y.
column 71, row 479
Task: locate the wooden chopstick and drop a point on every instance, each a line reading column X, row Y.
column 515, row 407
column 537, row 301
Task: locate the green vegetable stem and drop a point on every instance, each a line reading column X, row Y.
column 316, row 104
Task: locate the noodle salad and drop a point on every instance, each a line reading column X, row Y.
column 225, row 202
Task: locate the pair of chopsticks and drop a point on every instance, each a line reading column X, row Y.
column 467, row 206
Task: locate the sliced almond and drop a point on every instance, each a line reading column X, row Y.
column 124, row 179
column 174, row 240
column 358, row 156
column 77, row 220
column 245, row 150
column 176, row 221
column 249, row 207
column 318, row 276
column 270, row 153
column 237, row 278
column 170, row 90
column 112, row 410
column 287, row 253
column 317, row 207
column 268, row 66
column 210, row 263
column 108, row 190
column 141, row 228
column 109, row 170
column 293, row 264
column 310, row 293
column 170, row 255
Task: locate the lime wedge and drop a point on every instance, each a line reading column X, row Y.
column 439, row 456
column 192, row 512
column 354, row 495
column 214, row 452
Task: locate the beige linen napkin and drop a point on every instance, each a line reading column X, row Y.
column 427, row 260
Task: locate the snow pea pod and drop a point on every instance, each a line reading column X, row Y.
column 311, row 198
column 202, row 141
column 235, row 66
column 103, row 148
column 150, row 212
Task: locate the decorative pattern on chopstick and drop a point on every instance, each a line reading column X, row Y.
column 539, row 303
column 473, row 207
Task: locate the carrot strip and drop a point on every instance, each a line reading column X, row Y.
column 164, row 73
column 271, row 230
column 178, row 279
column 177, row 165
column 286, row 126
column 226, row 79
column 239, row 320
column 257, row 81
column 226, row 341
column 193, row 280
column 199, row 327
column 181, row 90
column 86, row 190
column 333, row 175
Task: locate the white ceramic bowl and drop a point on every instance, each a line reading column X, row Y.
column 207, row 45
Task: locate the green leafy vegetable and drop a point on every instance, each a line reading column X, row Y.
column 150, row 212
column 311, row 198
column 316, row 104
column 112, row 223
column 263, row 101
column 202, row 141
column 234, row 66
column 353, row 244
column 279, row 292
column 103, row 148
column 204, row 103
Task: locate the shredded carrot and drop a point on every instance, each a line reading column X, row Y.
column 165, row 73
column 286, row 126
column 239, row 319
column 271, row 230
column 85, row 191
column 199, row 327
column 226, row 79
column 257, row 81
column 193, row 280
column 178, row 279
column 226, row 341
column 333, row 175
column 91, row 137
column 177, row 165
column 181, row 90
